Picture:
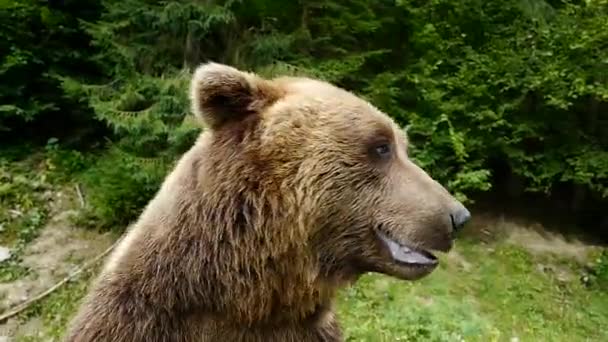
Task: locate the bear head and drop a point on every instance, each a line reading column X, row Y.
column 312, row 167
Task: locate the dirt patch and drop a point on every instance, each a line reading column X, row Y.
column 58, row 250
column 548, row 243
column 530, row 235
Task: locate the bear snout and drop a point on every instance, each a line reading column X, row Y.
column 459, row 217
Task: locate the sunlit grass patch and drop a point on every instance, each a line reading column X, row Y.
column 503, row 293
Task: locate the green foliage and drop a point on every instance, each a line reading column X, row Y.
column 494, row 80
column 37, row 43
column 480, row 86
column 150, row 125
column 598, row 274
column 143, row 47
column 118, row 186
column 522, row 82
column 64, row 163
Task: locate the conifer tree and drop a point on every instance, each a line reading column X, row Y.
column 481, row 87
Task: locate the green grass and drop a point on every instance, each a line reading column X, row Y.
column 11, row 270
column 24, row 198
column 56, row 310
column 502, row 295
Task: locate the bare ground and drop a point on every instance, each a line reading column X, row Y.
column 58, row 250
column 529, row 234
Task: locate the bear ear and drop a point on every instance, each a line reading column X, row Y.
column 220, row 93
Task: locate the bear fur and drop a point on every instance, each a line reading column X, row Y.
column 295, row 188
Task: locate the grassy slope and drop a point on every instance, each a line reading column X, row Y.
column 501, row 295
column 482, row 292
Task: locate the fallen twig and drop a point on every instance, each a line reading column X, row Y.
column 20, row 307
column 80, row 196
column 15, row 212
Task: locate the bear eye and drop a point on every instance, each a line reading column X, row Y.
column 383, row 150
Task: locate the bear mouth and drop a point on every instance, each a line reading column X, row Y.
column 405, row 254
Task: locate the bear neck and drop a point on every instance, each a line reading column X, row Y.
column 240, row 231
column 258, row 264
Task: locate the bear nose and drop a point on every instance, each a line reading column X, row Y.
column 459, row 218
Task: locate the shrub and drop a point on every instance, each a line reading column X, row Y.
column 117, row 187
column 597, row 275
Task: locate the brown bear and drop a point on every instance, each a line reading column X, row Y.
column 295, row 188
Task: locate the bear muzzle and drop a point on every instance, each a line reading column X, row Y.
column 459, row 217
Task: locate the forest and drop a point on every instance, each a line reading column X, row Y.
column 505, row 103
